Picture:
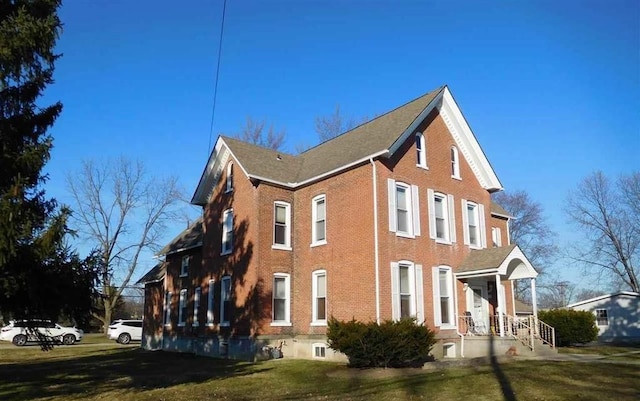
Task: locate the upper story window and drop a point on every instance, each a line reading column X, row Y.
column 210, row 303
column 455, row 163
column 406, row 291
column 602, row 318
column 182, row 311
column 281, row 300
column 184, row 268
column 473, row 224
column 319, row 220
column 225, row 301
column 227, row 232
column 421, row 151
column 196, row 306
column 443, row 297
column 404, row 214
column 442, row 223
column 496, row 236
column 229, row 187
column 319, row 295
column 282, row 225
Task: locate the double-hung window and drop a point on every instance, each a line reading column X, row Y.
column 442, row 222
column 281, row 300
column 182, row 311
column 602, row 317
column 319, row 295
column 443, row 297
column 496, row 236
column 319, row 220
column 225, row 301
column 229, row 184
column 406, row 291
column 167, row 308
column 421, row 151
column 196, row 306
column 473, row 222
column 210, row 303
column 184, row 268
column 455, row 163
column 281, row 225
column 227, row 232
column 404, row 209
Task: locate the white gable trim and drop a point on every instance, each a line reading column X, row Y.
column 601, row 297
column 524, row 270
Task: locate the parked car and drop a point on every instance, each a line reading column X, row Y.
column 125, row 331
column 19, row 334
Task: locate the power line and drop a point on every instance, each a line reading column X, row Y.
column 215, row 89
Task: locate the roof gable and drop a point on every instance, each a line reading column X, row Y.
column 627, row 294
column 380, row 137
column 505, row 260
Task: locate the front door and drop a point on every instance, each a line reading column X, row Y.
column 478, row 306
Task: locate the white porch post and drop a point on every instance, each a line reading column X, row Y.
column 500, row 305
column 534, row 297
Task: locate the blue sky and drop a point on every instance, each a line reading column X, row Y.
column 551, row 89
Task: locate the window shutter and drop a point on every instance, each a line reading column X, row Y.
column 392, row 204
column 432, row 214
column 437, row 316
column 415, row 203
column 395, row 291
column 465, row 222
column 419, row 295
column 452, row 218
column 483, row 229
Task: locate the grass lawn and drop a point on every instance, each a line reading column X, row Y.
column 128, row 373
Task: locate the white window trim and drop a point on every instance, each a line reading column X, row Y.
column 226, row 222
column 437, row 312
column 413, row 209
column 319, row 345
column 229, row 181
column 287, row 305
column 182, row 307
column 415, row 287
column 596, row 313
column 287, row 235
column 210, row 302
column 196, row 306
column 496, row 236
column 167, row 308
column 314, row 213
column 184, row 267
column 482, row 235
column 449, row 217
column 455, row 163
column 421, row 151
column 224, row 320
column 314, row 293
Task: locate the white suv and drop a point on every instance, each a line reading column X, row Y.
column 19, row 334
column 124, row 331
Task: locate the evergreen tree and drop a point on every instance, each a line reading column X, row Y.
column 40, row 276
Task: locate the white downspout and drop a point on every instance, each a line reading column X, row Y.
column 455, row 300
column 375, row 237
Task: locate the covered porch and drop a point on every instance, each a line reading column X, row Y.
column 487, row 304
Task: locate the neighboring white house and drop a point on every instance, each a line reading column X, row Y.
column 617, row 315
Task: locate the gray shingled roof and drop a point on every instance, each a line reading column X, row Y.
column 497, row 209
column 156, row 273
column 483, row 259
column 365, row 140
column 189, row 238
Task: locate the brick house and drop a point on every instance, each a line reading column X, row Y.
column 393, row 218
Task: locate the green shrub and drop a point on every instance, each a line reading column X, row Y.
column 390, row 344
column 572, row 326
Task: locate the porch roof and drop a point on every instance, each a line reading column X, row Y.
column 154, row 275
column 507, row 261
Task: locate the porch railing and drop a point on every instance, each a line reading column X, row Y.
column 526, row 330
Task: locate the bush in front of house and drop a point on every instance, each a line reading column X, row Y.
column 572, row 326
column 392, row 344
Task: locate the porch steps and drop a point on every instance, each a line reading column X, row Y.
column 483, row 346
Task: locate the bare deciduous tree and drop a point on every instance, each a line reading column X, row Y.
column 331, row 126
column 530, row 230
column 607, row 213
column 254, row 132
column 122, row 211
